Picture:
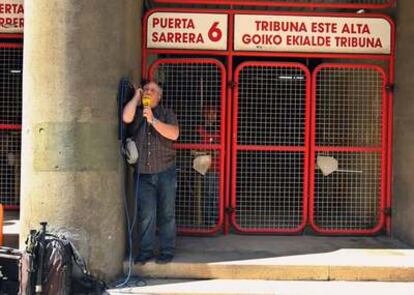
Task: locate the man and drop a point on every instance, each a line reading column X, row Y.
column 209, row 133
column 154, row 129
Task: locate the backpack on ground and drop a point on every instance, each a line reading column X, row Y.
column 51, row 265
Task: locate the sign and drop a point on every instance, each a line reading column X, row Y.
column 316, row 34
column 11, row 16
column 170, row 30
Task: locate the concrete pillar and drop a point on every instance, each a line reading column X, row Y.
column 75, row 53
column 403, row 143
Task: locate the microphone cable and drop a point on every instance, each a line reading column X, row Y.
column 122, row 96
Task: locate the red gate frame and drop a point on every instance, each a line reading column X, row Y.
column 230, row 53
column 8, row 44
column 382, row 150
column 388, row 3
column 305, row 148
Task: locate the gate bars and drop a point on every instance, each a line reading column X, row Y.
column 11, row 60
column 373, row 158
column 349, row 127
column 270, row 149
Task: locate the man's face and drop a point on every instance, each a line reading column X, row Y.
column 153, row 90
column 210, row 114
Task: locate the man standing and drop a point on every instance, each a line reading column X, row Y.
column 154, row 129
column 209, row 133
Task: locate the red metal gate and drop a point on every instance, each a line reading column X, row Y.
column 347, row 167
column 11, row 61
column 271, row 178
column 270, row 147
column 195, row 90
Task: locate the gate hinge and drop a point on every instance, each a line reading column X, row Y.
column 230, row 210
column 232, row 84
column 389, row 88
column 387, row 211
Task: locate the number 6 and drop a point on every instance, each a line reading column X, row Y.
column 214, row 34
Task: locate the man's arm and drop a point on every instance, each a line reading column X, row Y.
column 167, row 130
column 131, row 107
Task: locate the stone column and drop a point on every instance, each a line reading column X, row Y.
column 75, row 53
column 403, row 143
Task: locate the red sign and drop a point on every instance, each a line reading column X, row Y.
column 171, row 30
column 11, row 16
column 289, row 33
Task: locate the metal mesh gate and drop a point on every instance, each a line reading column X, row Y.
column 348, row 149
column 195, row 89
column 269, row 173
column 11, row 64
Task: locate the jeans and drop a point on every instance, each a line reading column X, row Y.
column 211, row 197
column 156, row 204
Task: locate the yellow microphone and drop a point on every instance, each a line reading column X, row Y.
column 146, row 100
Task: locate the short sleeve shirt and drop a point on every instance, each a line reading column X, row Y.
column 156, row 153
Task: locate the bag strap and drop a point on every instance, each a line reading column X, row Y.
column 82, row 265
column 78, row 258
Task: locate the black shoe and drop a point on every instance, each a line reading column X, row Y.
column 164, row 258
column 142, row 259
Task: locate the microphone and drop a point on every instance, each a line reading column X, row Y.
column 146, row 100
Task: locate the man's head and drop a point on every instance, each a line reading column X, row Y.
column 211, row 113
column 155, row 91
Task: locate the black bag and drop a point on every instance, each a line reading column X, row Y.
column 10, row 260
column 51, row 265
column 82, row 281
column 46, row 264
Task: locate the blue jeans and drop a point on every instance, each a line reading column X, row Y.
column 156, row 203
column 211, row 197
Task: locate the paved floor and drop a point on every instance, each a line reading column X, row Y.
column 261, row 287
column 244, row 247
column 203, row 256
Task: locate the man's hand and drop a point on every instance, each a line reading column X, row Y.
column 167, row 130
column 138, row 95
column 147, row 113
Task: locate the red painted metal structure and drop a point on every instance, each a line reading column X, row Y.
column 1, row 224
column 264, row 158
column 11, row 59
column 352, row 130
column 291, row 3
column 306, row 207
